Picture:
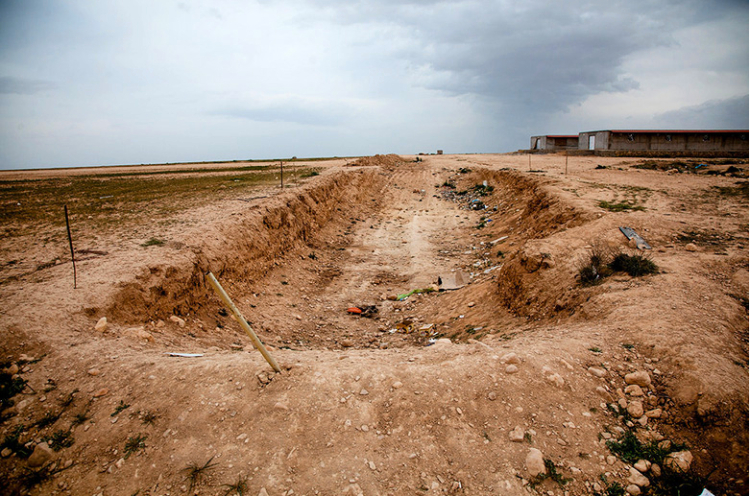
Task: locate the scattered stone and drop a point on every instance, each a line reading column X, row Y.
column 364, row 392
column 6, row 452
column 263, row 492
column 41, row 455
column 12, row 370
column 622, row 402
column 691, row 247
column 101, row 392
column 679, row 461
column 93, row 372
column 180, row 322
column 604, row 394
column 139, row 333
column 510, row 358
column 635, row 409
column 640, row 378
column 566, row 365
column 633, row 490
column 638, row 478
column 516, row 435
column 120, row 463
column 642, row 465
column 471, row 304
column 611, row 460
column 597, row 372
column 655, row 413
column 511, row 369
column 397, row 385
column 101, row 325
column 634, row 390
column 656, row 470
column 347, row 343
column 556, row 379
column 492, row 396
column 371, row 464
column 281, row 406
column 535, row 462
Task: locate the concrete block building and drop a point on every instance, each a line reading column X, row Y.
column 684, row 141
column 554, row 142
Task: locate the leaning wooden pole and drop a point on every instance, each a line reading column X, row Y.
column 72, row 253
column 228, row 302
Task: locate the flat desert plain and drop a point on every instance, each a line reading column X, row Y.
column 512, row 340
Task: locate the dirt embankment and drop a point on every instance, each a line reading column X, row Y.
column 244, row 248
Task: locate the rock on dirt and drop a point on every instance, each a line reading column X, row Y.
column 633, row 490
column 180, row 322
column 535, row 462
column 511, row 369
column 678, row 462
column 635, row 409
column 597, row 372
column 641, row 378
column 41, row 455
column 101, row 325
column 516, row 435
column 638, row 478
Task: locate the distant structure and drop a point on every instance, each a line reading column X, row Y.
column 440, row 152
column 684, row 141
column 554, row 142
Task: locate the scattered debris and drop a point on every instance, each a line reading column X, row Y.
column 632, row 235
column 452, row 280
column 184, row 355
column 363, row 311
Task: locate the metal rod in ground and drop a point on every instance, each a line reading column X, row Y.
column 243, row 323
column 281, row 166
column 72, row 253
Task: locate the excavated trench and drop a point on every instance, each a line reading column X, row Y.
column 359, row 237
column 362, row 236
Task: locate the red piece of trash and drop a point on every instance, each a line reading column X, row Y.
column 354, row 310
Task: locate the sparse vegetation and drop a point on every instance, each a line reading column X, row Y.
column 630, row 449
column 48, row 419
column 59, row 439
column 195, row 473
column 240, row 488
column 602, row 262
column 551, row 474
column 80, row 418
column 628, row 346
column 68, row 399
column 595, row 349
column 122, row 406
column 13, row 442
column 482, row 190
column 620, row 206
column 134, row 444
column 634, row 265
column 153, row 242
column 149, row 418
column 9, row 387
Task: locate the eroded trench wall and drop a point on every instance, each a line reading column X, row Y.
column 245, row 247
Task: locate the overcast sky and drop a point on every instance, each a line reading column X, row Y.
column 138, row 81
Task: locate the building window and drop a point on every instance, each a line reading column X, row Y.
column 631, row 137
column 668, row 137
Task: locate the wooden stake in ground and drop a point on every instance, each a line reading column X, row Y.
column 566, row 162
column 72, row 253
column 529, row 160
column 243, row 323
column 281, row 165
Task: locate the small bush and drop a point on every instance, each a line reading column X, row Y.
column 153, row 242
column 134, row 444
column 48, row 419
column 619, row 207
column 635, row 265
column 59, row 439
column 9, row 387
column 13, row 442
column 194, row 473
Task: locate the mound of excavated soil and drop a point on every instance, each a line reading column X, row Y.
column 522, row 380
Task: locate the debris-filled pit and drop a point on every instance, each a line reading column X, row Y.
column 453, row 324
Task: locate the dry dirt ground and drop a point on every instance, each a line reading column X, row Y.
column 520, row 382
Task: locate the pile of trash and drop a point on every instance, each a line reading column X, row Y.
column 469, row 199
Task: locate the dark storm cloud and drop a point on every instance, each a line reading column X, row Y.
column 731, row 113
column 528, row 57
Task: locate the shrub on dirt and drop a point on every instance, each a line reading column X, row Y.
column 635, row 265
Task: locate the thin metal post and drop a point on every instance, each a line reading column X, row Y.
column 281, row 165
column 243, row 323
column 72, row 253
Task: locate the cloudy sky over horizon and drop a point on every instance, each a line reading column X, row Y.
column 129, row 82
